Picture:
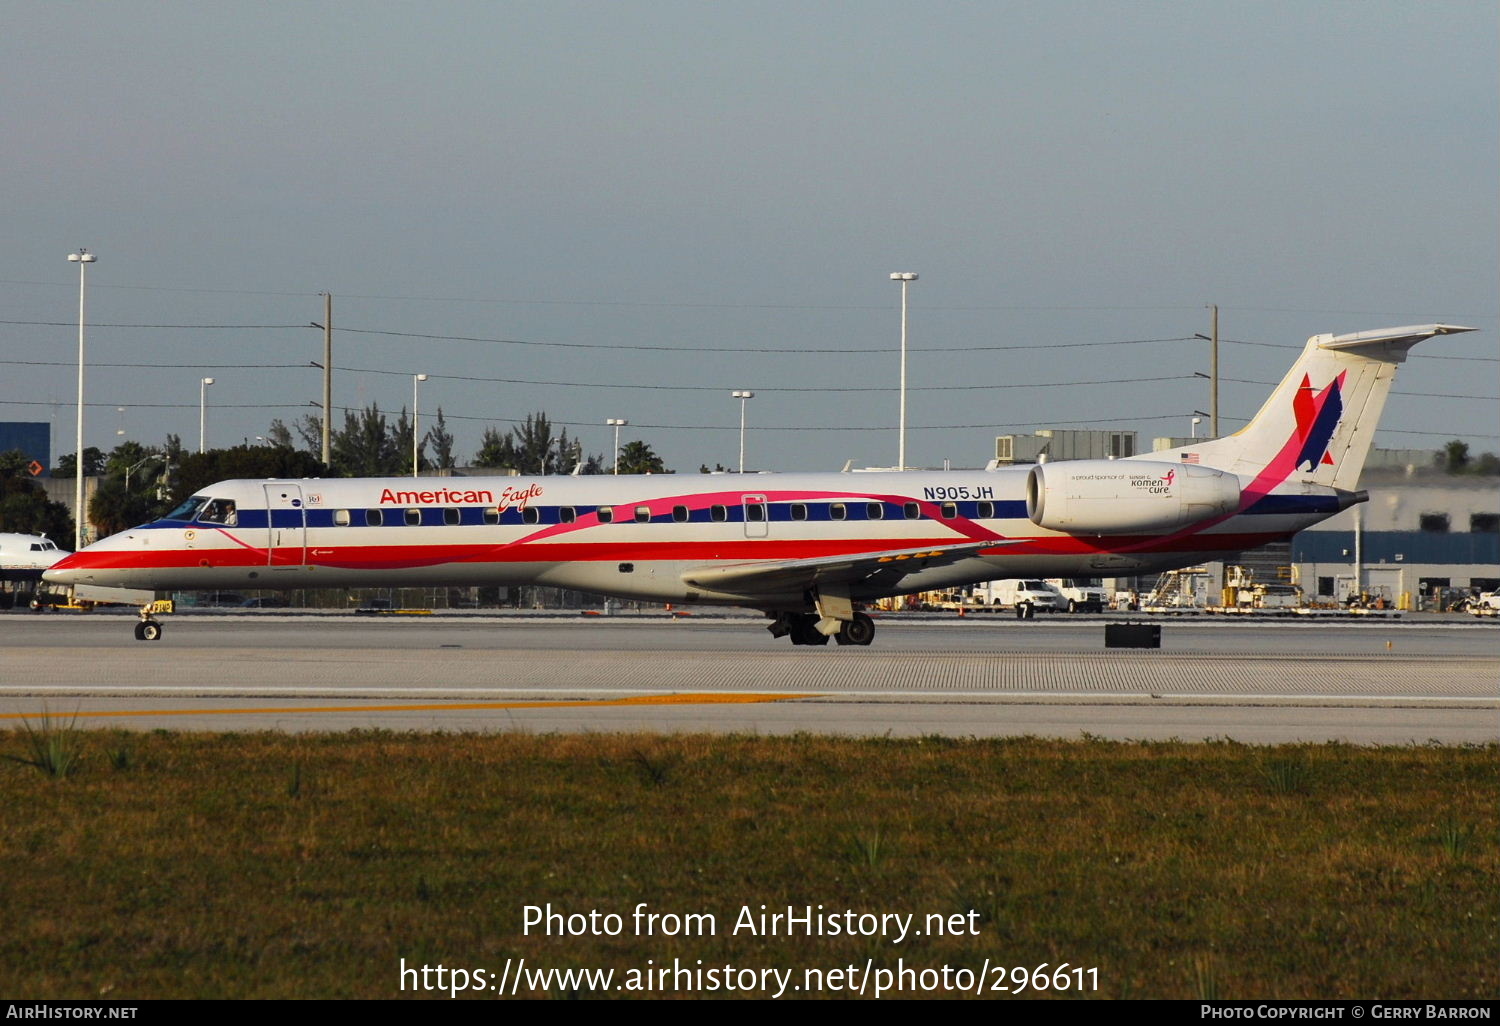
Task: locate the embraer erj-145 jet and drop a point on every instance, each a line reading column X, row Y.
column 808, row 549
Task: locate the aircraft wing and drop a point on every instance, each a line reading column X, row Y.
column 782, row 575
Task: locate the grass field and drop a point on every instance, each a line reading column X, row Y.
column 145, row 865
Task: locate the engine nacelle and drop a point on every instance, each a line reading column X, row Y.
column 1126, row 496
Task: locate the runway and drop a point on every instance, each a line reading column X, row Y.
column 1387, row 682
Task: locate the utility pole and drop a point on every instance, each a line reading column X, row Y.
column 1214, row 373
column 327, row 371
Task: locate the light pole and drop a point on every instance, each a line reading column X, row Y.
column 138, row 465
column 742, row 396
column 82, row 258
column 617, row 424
column 1196, row 422
column 415, row 380
column 905, row 278
column 203, row 384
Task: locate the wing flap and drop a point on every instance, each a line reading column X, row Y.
column 772, row 576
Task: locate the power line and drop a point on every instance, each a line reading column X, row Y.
column 166, row 366
column 770, row 388
column 665, row 304
column 195, row 327
column 801, row 351
column 696, row 388
column 1425, row 356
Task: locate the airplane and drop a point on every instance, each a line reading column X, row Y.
column 810, row 550
column 23, row 557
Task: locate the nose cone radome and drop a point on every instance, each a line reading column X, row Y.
column 68, row 570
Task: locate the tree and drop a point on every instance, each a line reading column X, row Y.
column 1456, row 457
column 197, row 471
column 114, row 508
column 24, row 506
column 366, row 447
column 442, row 443
column 279, row 434
column 529, row 448
column 637, row 458
column 401, row 438
column 133, row 490
column 495, row 450
column 310, row 430
column 67, row 464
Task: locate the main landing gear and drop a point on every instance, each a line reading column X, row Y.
column 802, row 628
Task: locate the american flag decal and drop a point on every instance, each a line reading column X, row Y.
column 1190, row 457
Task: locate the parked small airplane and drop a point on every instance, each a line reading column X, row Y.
column 23, row 557
column 807, row 549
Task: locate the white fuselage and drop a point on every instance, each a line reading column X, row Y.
column 653, row 537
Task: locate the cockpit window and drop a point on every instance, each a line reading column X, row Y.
column 219, row 511
column 187, row 509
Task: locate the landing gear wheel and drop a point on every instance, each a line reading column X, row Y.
column 804, row 632
column 140, row 632
column 149, row 630
column 859, row 631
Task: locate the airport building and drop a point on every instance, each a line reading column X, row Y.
column 32, row 438
column 1422, row 531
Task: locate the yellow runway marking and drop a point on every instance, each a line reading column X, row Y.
column 723, row 699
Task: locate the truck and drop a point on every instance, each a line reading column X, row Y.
column 1487, row 604
column 1081, row 594
column 1027, row 596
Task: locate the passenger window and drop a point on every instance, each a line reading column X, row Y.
column 679, row 514
column 606, row 514
column 372, row 518
column 719, row 513
column 950, row 510
column 986, row 511
column 413, row 517
column 874, row 510
column 836, row 511
column 755, row 512
column 452, row 517
column 341, row 517
column 566, row 514
column 492, row 515
column 799, row 511
column 913, row 511
column 531, row 515
column 643, row 514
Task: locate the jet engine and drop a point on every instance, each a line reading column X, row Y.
column 1126, row 496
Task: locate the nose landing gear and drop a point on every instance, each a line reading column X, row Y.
column 149, row 629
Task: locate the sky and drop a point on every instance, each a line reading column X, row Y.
column 628, row 210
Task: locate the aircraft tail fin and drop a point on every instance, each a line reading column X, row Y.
column 1319, row 422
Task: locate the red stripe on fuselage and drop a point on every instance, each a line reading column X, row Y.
column 403, row 557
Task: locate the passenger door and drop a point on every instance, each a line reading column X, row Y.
column 286, row 526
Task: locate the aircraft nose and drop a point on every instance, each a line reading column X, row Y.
column 65, row 571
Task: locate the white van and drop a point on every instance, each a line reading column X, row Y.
column 1026, row 596
column 1081, row 594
